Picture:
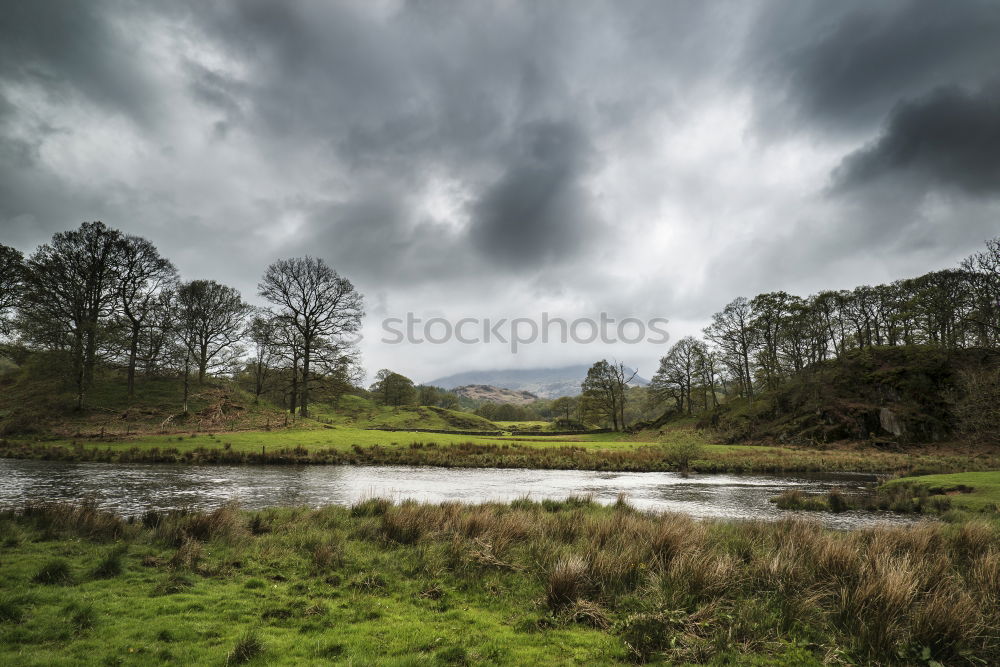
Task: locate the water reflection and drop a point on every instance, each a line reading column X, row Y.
column 133, row 488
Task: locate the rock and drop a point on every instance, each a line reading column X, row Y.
column 890, row 422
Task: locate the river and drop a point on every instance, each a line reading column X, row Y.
column 133, row 488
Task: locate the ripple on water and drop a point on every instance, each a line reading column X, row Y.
column 134, row 488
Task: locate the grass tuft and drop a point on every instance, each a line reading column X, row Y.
column 54, row 572
column 248, row 646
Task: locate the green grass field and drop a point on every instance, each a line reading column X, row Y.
column 966, row 490
column 566, row 582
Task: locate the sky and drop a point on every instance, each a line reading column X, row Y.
column 507, row 159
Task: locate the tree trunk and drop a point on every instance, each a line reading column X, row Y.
column 133, row 352
column 187, row 382
column 304, row 410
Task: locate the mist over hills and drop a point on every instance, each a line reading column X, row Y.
column 542, row 382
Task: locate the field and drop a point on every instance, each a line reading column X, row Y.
column 602, row 451
column 565, row 582
column 967, row 490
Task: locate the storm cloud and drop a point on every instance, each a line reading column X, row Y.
column 946, row 139
column 648, row 159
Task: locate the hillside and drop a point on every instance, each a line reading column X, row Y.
column 542, row 382
column 485, row 392
column 364, row 413
column 914, row 394
column 35, row 401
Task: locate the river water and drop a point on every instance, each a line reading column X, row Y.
column 133, row 488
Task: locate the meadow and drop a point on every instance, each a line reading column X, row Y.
column 556, row 582
column 329, row 444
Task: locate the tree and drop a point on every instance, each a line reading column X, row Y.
column 212, row 319
column 678, row 372
column 563, row 407
column 392, row 388
column 263, row 336
column 70, row 293
column 11, row 283
column 317, row 301
column 731, row 331
column 604, row 388
column 141, row 274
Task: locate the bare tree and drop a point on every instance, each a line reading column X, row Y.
column 732, row 332
column 70, row 294
column 678, row 372
column 263, row 336
column 319, row 303
column 11, row 282
column 141, row 275
column 212, row 318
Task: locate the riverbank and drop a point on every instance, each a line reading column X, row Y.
column 549, row 582
column 610, row 452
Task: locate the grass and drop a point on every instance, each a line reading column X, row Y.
column 974, row 491
column 524, row 582
column 355, row 411
column 603, row 451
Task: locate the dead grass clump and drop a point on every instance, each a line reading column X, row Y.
column 187, row 556
column 587, row 613
column 567, row 581
column 946, row 621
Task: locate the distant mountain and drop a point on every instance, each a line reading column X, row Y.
column 542, row 382
column 486, row 392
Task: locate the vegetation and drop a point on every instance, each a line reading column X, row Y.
column 967, row 490
column 545, row 582
column 912, row 361
column 603, row 451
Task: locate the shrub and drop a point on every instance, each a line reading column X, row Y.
column 682, row 452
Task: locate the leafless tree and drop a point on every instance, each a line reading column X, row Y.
column 320, row 304
column 212, row 318
column 141, row 276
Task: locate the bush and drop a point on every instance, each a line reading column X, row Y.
column 682, row 452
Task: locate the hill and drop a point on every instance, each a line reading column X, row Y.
column 35, row 400
column 904, row 394
column 361, row 412
column 542, row 382
column 485, row 392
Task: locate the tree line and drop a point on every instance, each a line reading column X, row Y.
column 754, row 344
column 98, row 296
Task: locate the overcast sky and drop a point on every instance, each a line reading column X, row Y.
column 504, row 159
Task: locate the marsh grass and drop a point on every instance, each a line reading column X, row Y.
column 248, row 647
column 490, row 582
column 55, row 572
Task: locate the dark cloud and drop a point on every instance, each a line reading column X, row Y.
column 649, row 156
column 843, row 65
column 78, row 50
column 949, row 139
column 538, row 211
